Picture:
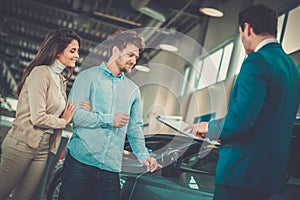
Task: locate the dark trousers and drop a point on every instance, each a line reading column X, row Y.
column 81, row 181
column 233, row 193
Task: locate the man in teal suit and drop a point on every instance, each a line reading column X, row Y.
column 256, row 132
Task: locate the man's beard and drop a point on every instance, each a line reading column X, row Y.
column 125, row 69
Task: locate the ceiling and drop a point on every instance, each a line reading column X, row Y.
column 25, row 23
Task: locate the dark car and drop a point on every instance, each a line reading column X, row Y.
column 188, row 171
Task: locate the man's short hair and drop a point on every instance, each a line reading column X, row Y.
column 121, row 38
column 262, row 19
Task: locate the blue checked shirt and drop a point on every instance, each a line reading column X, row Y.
column 95, row 141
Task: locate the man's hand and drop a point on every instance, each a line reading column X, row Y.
column 199, row 129
column 151, row 164
column 120, row 120
column 86, row 105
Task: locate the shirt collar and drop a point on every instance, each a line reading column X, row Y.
column 265, row 42
column 108, row 72
column 57, row 67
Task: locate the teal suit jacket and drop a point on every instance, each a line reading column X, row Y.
column 256, row 132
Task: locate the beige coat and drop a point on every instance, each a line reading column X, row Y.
column 37, row 101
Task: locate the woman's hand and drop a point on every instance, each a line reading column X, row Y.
column 68, row 112
column 86, row 105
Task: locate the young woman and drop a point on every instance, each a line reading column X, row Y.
column 42, row 113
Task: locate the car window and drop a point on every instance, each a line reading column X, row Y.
column 157, row 145
column 183, row 167
column 196, row 162
column 194, row 172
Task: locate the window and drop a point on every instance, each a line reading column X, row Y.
column 197, row 73
column 184, row 81
column 280, row 26
column 213, row 68
column 210, row 69
column 242, row 56
column 199, row 82
column 203, row 164
column 209, row 72
column 225, row 62
column 291, row 41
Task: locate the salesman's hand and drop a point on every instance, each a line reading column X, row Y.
column 199, row 129
column 120, row 120
column 151, row 164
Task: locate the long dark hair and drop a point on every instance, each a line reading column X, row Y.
column 54, row 43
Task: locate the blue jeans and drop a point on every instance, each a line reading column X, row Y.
column 81, row 181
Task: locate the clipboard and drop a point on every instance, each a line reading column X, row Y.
column 177, row 124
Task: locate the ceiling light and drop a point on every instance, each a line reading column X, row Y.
column 170, row 42
column 142, row 68
column 168, row 47
column 211, row 8
column 142, row 64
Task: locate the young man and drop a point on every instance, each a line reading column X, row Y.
column 256, row 132
column 95, row 150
